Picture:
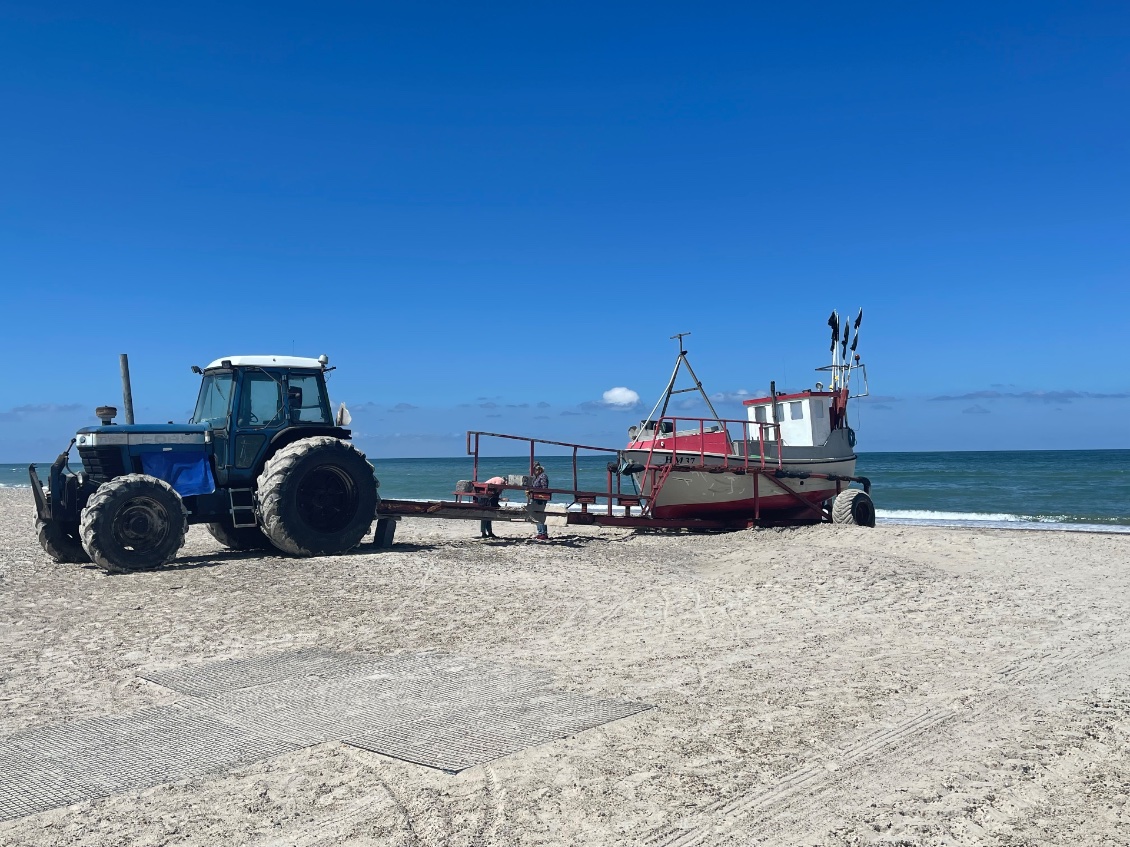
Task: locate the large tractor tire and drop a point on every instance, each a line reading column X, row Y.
column 317, row 497
column 131, row 523
column 61, row 542
column 853, row 506
column 239, row 537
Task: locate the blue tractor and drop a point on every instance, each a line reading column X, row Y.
column 262, row 463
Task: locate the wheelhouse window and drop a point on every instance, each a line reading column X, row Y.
column 212, row 404
column 796, row 411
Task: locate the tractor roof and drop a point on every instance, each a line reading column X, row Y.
column 267, row 362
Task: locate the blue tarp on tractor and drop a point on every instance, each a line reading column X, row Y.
column 187, row 473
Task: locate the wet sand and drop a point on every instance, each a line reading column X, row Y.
column 818, row 686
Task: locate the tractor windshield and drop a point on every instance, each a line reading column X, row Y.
column 213, row 403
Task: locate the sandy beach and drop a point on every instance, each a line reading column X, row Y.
column 817, row 686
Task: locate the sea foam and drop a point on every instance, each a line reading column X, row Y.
column 919, row 517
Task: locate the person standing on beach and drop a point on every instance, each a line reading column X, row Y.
column 541, row 480
column 486, row 528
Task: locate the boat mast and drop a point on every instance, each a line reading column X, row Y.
column 671, row 390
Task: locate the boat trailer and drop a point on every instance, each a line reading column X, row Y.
column 612, row 507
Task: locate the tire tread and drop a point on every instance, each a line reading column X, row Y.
column 844, row 506
column 102, row 499
column 271, row 492
column 58, row 543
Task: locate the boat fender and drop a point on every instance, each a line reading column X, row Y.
column 851, row 436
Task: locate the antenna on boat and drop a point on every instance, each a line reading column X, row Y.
column 834, row 323
column 854, row 345
column 843, row 362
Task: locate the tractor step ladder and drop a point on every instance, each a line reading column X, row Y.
column 242, row 507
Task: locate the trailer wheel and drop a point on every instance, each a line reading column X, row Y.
column 317, row 497
column 239, row 537
column 134, row 522
column 61, row 542
column 853, row 506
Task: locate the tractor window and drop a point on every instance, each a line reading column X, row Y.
column 307, row 403
column 260, row 402
column 212, row 404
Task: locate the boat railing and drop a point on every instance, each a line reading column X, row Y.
column 696, row 428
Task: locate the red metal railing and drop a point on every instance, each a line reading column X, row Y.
column 614, row 489
column 695, row 429
column 660, row 440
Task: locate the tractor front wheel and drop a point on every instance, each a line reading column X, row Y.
column 61, row 542
column 317, row 497
column 134, row 522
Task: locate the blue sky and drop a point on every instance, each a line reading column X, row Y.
column 488, row 215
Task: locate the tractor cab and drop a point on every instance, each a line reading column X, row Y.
column 255, row 404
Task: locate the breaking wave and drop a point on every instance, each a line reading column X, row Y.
column 1077, row 523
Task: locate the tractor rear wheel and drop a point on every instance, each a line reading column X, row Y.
column 61, row 542
column 134, row 522
column 317, row 497
column 853, row 506
column 239, row 537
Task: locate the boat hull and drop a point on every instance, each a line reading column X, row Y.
column 700, row 487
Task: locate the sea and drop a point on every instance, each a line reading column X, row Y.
column 1082, row 490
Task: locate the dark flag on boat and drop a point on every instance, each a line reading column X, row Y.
column 834, row 323
column 855, row 338
column 843, row 348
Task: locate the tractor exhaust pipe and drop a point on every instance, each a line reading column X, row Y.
column 127, row 392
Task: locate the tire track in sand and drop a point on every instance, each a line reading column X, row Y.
column 804, row 791
column 721, row 812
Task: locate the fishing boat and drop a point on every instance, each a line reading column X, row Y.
column 791, row 460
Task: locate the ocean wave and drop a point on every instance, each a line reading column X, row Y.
column 928, row 515
column 1076, row 523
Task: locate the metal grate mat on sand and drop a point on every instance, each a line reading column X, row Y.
column 52, row 766
column 442, row 711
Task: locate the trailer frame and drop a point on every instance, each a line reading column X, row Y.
column 483, row 497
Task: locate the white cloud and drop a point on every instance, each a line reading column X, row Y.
column 730, row 396
column 620, row 396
